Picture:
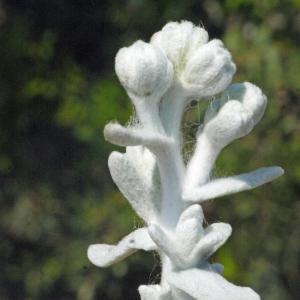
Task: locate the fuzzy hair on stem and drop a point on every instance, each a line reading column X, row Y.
column 162, row 78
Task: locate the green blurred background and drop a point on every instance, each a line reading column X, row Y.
column 57, row 91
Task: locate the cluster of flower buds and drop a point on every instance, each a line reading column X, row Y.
column 161, row 78
column 180, row 65
column 201, row 67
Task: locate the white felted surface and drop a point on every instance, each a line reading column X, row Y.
column 200, row 165
column 162, row 77
column 209, row 71
column 203, row 68
column 205, row 284
column 215, row 236
column 194, row 211
column 121, row 136
column 189, row 229
column 144, row 70
column 252, row 98
column 231, row 185
column 179, row 41
column 103, row 255
column 166, row 243
column 136, row 175
column 155, row 292
column 190, row 244
column 233, row 115
column 231, row 122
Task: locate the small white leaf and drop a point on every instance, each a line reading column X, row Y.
column 103, row 255
column 136, row 175
column 231, row 185
column 203, row 283
column 121, row 136
column 155, row 292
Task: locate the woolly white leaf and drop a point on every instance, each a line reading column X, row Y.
column 121, row 136
column 136, row 175
column 189, row 229
column 166, row 243
column 188, row 234
column 185, row 257
column 103, row 255
column 155, row 292
column 204, row 283
column 194, row 211
column 231, row 185
column 215, row 236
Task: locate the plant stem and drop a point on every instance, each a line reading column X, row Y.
column 173, row 104
column 201, row 163
column 148, row 114
column 172, row 175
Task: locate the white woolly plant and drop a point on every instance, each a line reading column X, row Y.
column 162, row 77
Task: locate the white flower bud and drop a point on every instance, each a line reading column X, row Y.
column 209, row 71
column 252, row 98
column 179, row 41
column 233, row 115
column 144, row 70
column 231, row 122
column 203, row 68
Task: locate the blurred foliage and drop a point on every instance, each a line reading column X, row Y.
column 58, row 90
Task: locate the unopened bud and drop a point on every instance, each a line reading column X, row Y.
column 144, row 70
column 231, row 122
column 252, row 98
column 210, row 70
column 179, row 41
column 234, row 114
